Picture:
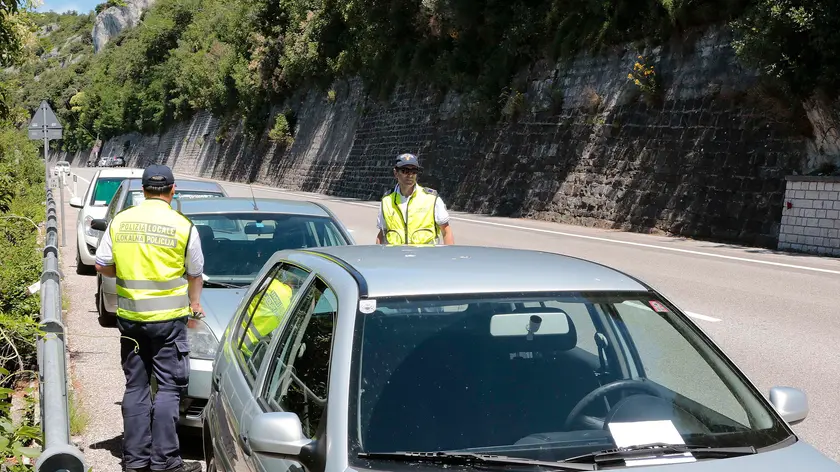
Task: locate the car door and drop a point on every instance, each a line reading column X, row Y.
column 242, row 362
column 297, row 375
column 114, row 207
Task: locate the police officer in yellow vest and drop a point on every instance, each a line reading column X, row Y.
column 155, row 254
column 271, row 309
column 411, row 214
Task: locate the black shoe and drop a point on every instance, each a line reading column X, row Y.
column 186, row 467
column 144, row 469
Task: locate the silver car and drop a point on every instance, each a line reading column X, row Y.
column 238, row 235
column 425, row 358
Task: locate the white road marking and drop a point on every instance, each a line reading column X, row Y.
column 82, row 178
column 573, row 235
column 702, row 317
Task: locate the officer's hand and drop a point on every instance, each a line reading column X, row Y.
column 198, row 312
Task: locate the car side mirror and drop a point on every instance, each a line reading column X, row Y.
column 791, row 403
column 277, row 434
column 99, row 224
column 76, row 202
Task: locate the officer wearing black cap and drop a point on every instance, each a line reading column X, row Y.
column 155, row 254
column 411, row 214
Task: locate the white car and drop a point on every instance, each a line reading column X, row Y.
column 93, row 206
column 61, row 167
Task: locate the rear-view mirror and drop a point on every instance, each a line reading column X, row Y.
column 76, row 202
column 791, row 403
column 99, row 224
column 259, row 228
column 525, row 324
column 278, row 434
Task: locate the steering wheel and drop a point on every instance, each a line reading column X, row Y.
column 624, row 384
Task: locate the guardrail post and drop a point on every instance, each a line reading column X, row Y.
column 58, row 455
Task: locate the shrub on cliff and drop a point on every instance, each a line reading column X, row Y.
column 237, row 58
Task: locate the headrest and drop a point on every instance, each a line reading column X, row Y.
column 205, row 233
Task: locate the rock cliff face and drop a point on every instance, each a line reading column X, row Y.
column 111, row 21
column 706, row 161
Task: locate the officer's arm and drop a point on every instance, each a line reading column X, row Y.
column 194, row 270
column 107, row 271
column 104, row 256
column 448, row 236
column 442, row 220
column 380, row 223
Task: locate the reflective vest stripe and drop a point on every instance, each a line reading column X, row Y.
column 151, row 284
column 154, row 304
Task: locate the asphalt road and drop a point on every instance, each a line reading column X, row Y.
column 774, row 314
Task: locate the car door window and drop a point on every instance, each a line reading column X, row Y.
column 298, row 377
column 112, row 207
column 265, row 313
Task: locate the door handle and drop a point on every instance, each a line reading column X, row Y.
column 214, row 383
column 243, row 443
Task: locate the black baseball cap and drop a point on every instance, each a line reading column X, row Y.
column 157, row 175
column 407, row 159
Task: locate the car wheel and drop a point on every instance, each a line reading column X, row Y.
column 107, row 319
column 81, row 268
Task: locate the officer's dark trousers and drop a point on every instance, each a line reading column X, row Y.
column 150, row 438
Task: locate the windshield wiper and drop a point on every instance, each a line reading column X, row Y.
column 208, row 283
column 660, row 449
column 468, row 458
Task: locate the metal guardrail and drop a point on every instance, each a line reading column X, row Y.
column 58, row 455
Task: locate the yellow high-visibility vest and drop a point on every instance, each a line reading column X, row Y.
column 269, row 312
column 150, row 247
column 420, row 226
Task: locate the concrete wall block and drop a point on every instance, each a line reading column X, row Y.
column 812, row 194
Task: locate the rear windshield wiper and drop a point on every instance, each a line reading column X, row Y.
column 660, row 449
column 468, row 458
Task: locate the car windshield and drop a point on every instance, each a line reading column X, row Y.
column 537, row 377
column 236, row 245
column 136, row 196
column 104, row 190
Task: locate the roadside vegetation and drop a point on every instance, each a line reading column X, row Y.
column 237, row 59
column 21, row 208
column 21, row 211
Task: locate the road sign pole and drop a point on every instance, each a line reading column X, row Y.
column 46, row 148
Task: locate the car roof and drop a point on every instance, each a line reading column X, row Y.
column 449, row 270
column 246, row 205
column 121, row 172
column 181, row 184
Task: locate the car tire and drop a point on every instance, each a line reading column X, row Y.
column 107, row 319
column 81, row 268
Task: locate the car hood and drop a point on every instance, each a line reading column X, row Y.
column 219, row 305
column 797, row 456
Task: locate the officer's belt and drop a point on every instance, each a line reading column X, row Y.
column 151, row 284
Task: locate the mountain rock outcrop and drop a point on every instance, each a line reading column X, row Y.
column 111, row 21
